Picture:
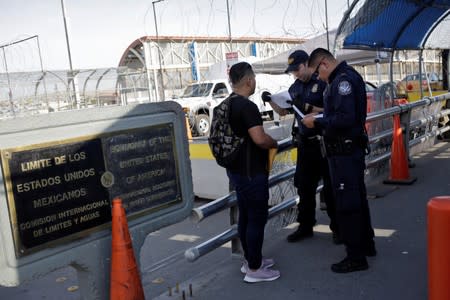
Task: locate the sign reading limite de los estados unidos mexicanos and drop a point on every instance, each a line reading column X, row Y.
column 58, row 191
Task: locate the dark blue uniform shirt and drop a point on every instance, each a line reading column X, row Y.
column 310, row 92
column 345, row 104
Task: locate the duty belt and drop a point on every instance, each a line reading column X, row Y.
column 311, row 138
column 345, row 145
column 299, row 138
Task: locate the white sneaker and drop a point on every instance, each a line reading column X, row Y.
column 262, row 274
column 266, row 263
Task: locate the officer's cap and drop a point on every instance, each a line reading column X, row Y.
column 295, row 59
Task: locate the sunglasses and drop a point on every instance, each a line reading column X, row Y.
column 316, row 71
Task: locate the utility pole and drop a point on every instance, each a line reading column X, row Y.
column 326, row 25
column 159, row 51
column 229, row 27
column 72, row 75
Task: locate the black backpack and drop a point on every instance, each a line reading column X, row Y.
column 224, row 143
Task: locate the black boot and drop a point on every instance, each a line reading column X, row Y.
column 348, row 265
column 337, row 240
column 371, row 251
column 300, row 234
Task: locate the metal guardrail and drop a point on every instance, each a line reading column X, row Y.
column 193, row 253
column 404, row 110
column 204, row 211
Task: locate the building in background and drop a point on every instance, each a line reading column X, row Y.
column 173, row 62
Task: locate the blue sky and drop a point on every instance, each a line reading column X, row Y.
column 101, row 30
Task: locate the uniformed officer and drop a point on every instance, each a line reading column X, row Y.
column 307, row 95
column 346, row 144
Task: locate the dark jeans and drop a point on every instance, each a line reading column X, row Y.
column 311, row 167
column 253, row 197
column 352, row 207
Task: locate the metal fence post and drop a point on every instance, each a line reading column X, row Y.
column 405, row 119
column 236, row 246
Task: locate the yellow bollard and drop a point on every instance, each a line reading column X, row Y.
column 188, row 130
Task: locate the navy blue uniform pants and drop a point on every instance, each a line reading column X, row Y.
column 311, row 167
column 253, row 203
column 352, row 207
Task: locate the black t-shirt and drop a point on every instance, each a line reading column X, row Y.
column 252, row 159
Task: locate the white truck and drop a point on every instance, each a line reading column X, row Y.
column 198, row 99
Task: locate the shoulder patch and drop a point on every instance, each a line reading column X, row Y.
column 344, row 88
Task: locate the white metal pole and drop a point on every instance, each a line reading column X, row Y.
column 43, row 74
column 229, row 27
column 72, row 75
column 162, row 96
column 9, row 83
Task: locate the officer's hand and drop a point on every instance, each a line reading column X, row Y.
column 308, row 108
column 305, row 108
column 308, row 120
column 266, row 96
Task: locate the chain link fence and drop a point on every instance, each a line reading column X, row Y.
column 31, row 93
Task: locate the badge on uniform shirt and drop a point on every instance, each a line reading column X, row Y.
column 344, row 88
column 314, row 88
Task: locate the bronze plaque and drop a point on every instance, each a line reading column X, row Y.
column 144, row 168
column 55, row 191
column 62, row 191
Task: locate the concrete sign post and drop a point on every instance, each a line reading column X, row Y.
column 60, row 173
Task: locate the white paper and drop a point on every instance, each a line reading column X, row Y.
column 302, row 115
column 281, row 99
column 284, row 100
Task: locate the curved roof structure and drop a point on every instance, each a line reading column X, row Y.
column 395, row 24
column 277, row 64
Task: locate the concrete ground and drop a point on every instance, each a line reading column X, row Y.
column 399, row 271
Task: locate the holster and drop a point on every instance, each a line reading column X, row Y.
column 299, row 139
column 295, row 136
column 346, row 145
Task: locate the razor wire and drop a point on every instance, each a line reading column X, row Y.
column 33, row 93
column 282, row 191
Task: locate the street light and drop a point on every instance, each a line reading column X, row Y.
column 159, row 48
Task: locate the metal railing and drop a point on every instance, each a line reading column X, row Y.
column 416, row 130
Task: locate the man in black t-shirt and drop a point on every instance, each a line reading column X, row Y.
column 249, row 174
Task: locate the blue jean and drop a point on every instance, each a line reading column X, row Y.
column 253, row 203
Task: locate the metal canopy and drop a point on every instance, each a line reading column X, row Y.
column 395, row 24
column 278, row 63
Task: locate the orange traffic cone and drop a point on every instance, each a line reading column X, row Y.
column 399, row 162
column 125, row 278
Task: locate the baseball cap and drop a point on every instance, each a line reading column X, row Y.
column 295, row 59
